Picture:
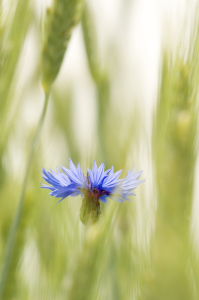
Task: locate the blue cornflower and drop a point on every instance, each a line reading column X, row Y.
column 97, row 186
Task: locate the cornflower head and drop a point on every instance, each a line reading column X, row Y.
column 96, row 186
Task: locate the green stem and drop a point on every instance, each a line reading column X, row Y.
column 15, row 224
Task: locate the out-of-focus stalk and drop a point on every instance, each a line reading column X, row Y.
column 174, row 156
column 60, row 22
column 89, row 264
column 63, row 109
column 109, row 265
column 13, row 30
column 15, row 224
column 87, row 269
column 100, row 77
column 103, row 78
column 11, row 280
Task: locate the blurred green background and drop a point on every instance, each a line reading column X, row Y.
column 126, row 94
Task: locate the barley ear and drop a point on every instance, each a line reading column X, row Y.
column 60, row 20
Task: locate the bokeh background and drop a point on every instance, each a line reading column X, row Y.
column 126, row 94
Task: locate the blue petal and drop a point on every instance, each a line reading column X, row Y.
column 100, row 174
column 72, row 181
column 94, row 172
column 116, row 198
column 103, row 199
column 130, row 183
column 111, row 179
column 62, row 186
column 111, row 182
column 75, row 174
column 97, row 175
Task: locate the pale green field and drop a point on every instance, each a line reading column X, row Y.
column 143, row 249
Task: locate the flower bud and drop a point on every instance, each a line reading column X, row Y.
column 90, row 209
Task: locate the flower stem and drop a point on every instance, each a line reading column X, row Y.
column 16, row 221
